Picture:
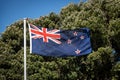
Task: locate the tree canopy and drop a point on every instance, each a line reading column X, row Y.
column 102, row 17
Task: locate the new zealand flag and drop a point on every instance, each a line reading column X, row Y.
column 59, row 43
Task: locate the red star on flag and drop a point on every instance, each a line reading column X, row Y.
column 69, row 41
column 77, row 51
column 75, row 33
column 82, row 37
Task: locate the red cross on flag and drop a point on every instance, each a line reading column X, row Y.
column 52, row 34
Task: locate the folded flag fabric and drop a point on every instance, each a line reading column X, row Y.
column 59, row 43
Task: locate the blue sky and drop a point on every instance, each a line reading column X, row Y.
column 13, row 10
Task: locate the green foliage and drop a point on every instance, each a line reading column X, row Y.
column 116, row 71
column 102, row 17
column 100, row 62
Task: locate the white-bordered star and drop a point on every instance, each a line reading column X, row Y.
column 75, row 33
column 69, row 41
column 77, row 51
column 82, row 37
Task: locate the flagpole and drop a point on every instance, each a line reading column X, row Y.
column 25, row 74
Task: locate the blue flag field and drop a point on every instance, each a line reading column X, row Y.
column 59, row 43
